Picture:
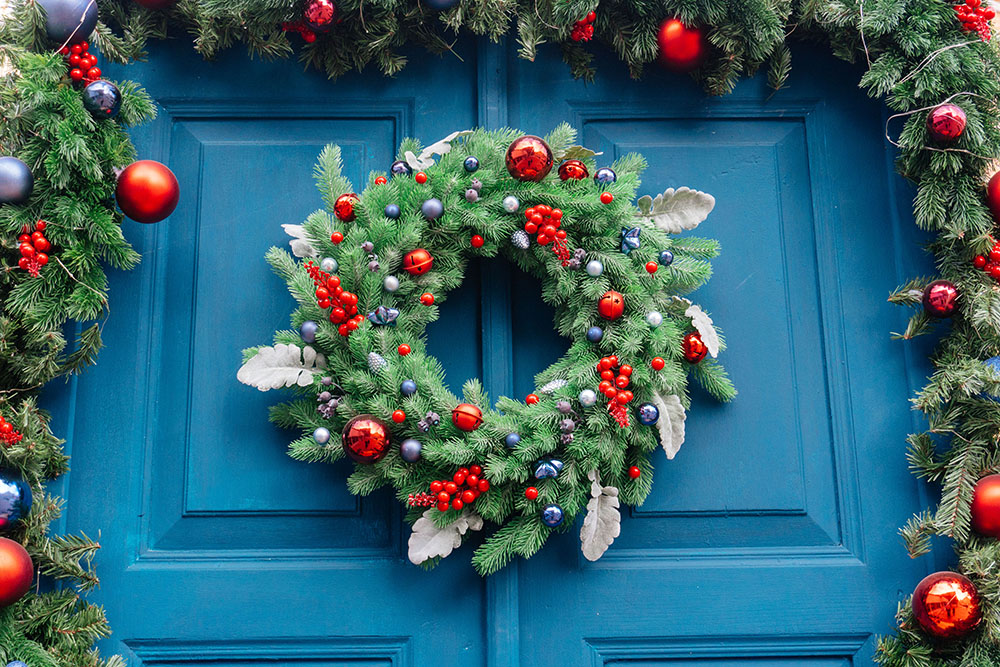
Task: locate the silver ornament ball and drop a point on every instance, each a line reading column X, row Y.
column 308, row 331
column 511, row 204
column 654, row 318
column 594, row 268
column 329, row 264
column 391, row 283
column 409, row 450
column 587, row 398
column 321, row 435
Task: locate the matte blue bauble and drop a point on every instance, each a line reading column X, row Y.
column 102, row 99
column 666, row 257
column 308, row 331
column 400, row 168
column 409, row 450
column 392, row 211
column 16, row 181
column 408, row 388
column 471, row 164
column 552, row 515
column 648, row 414
column 15, row 500
column 595, row 334
column 432, row 209
column 69, row 21
column 605, row 176
column 512, row 440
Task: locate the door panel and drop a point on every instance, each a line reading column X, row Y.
column 769, row 539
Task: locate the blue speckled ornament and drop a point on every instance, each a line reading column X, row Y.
column 587, row 398
column 400, row 168
column 666, row 258
column 994, row 364
column 648, row 414
column 552, row 515
column 15, row 500
column 16, row 181
column 392, row 211
column 471, row 164
column 409, row 450
column 308, row 331
column 432, row 209
column 512, row 440
column 408, row 388
column 605, row 176
column 102, row 99
column 595, row 334
column 321, row 435
column 69, row 21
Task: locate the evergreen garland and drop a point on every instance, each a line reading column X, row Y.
column 916, row 57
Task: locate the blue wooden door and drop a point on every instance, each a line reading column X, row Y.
column 769, row 539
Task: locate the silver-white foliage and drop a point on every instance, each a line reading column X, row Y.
column 301, row 245
column 428, row 540
column 281, row 366
column 670, row 423
column 426, row 157
column 703, row 323
column 675, row 211
column 603, row 521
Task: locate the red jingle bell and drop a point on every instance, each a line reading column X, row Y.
column 467, row 417
column 344, row 207
column 573, row 170
column 611, row 306
column 940, row 298
column 417, row 262
column 694, row 347
column 945, row 123
column 946, row 605
column 529, row 158
column 682, row 48
column 16, row 572
column 986, row 507
column 365, row 439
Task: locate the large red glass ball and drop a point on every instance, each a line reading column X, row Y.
column 993, row 196
column 319, row 15
column 946, row 605
column 147, row 191
column 946, row 123
column 365, row 439
column 467, row 417
column 573, row 170
column 986, row 506
column 694, row 348
column 417, row 262
column 611, row 306
column 529, row 158
column 940, row 298
column 16, row 572
column 682, row 48
column 344, row 207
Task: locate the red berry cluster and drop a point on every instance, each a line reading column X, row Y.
column 583, row 30
column 614, row 380
column 544, row 221
column 975, row 17
column 82, row 63
column 990, row 264
column 7, row 433
column 300, row 27
column 33, row 249
column 329, row 294
column 464, row 487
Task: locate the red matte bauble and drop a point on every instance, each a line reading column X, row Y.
column 156, row 4
column 365, row 439
column 573, row 170
column 16, row 572
column 529, row 158
column 682, row 48
column 319, row 15
column 946, row 123
column 467, row 417
column 417, row 262
column 344, row 207
column 946, row 605
column 940, row 298
column 147, row 191
column 612, row 305
column 694, row 347
column 986, row 507
column 993, row 196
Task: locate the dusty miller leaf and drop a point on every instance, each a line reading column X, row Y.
column 671, row 422
column 703, row 323
column 576, row 153
column 428, row 540
column 281, row 366
column 678, row 210
column 301, row 246
column 603, row 521
column 426, row 157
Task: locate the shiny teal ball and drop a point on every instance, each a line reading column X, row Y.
column 666, row 258
column 102, row 99
column 400, row 168
column 648, row 414
column 552, row 515
column 595, row 334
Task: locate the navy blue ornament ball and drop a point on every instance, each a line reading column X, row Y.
column 666, row 258
column 409, row 450
column 552, row 515
column 102, row 99
column 432, row 209
column 400, row 168
column 512, row 440
column 408, row 388
column 605, row 176
column 69, row 21
column 392, row 211
column 308, row 331
column 441, row 5
column 15, row 500
column 471, row 164
column 16, row 181
column 648, row 414
column 595, row 334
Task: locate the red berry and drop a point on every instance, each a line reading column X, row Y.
column 608, row 375
column 621, row 382
column 436, row 486
column 530, row 227
column 336, row 237
column 477, row 241
column 484, row 485
column 658, row 363
column 451, row 487
column 634, row 472
column 607, row 197
column 459, row 478
column 443, row 497
column 76, row 48
column 457, row 504
column 403, row 350
column 651, row 267
column 94, row 73
column 84, row 45
column 468, row 497
column 475, row 470
column 23, row 263
column 472, row 480
column 64, row 51
column 6, row 427
column 464, row 471
column 352, row 325
column 27, row 250
column 398, row 416
column 591, row 16
column 441, row 506
column 421, row 177
column 622, row 398
column 74, row 60
column 604, row 386
column 531, row 399
column 24, row 238
column 42, row 259
column 76, row 74
column 380, row 180
column 531, row 493
column 40, row 225
column 628, row 396
column 343, row 330
column 613, row 360
column 427, row 299
column 625, row 370
column 979, row 261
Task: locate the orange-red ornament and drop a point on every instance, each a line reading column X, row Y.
column 573, row 170
column 986, row 507
column 531, row 399
column 467, row 417
column 344, row 207
column 16, row 572
column 529, row 158
column 947, row 605
column 403, row 350
column 417, row 262
column 611, row 306
column 694, row 347
column 147, row 191
column 427, row 299
column 365, row 439
column 682, row 48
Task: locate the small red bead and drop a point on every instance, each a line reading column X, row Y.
column 477, row 241
column 443, row 507
column 625, row 370
column 398, row 416
column 607, row 197
column 634, row 472
column 468, row 497
column 76, row 74
column 380, row 180
column 427, row 299
column 76, row 48
column 459, row 478
column 75, row 60
column 979, row 261
column 443, row 497
column 621, row 382
column 94, row 73
column 336, row 237
column 403, row 350
column 451, row 487
column 651, row 267
column 40, row 225
column 658, row 363
column 531, row 493
column 421, row 177
column 436, row 486
column 484, row 485
column 475, row 470
column 457, row 504
column 531, row 399
column 343, row 330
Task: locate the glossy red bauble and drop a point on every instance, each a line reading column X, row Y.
column 427, row 299
column 477, row 241
column 403, row 350
column 365, row 439
column 607, row 197
column 147, row 191
column 417, row 262
column 420, row 177
column 658, row 363
column 694, row 347
column 398, row 416
column 993, row 196
column 986, row 507
column 337, row 237
column 467, row 417
column 16, row 572
column 380, row 180
column 940, row 299
column 611, row 306
column 531, row 399
column 573, row 170
column 946, row 123
column 946, row 605
column 319, row 15
column 344, row 207
column 634, row 472
column 531, row 493
column 529, row 158
column 682, row 48
column 651, row 267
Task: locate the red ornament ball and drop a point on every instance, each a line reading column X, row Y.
column 421, row 177
column 477, row 241
column 611, row 306
column 529, row 158
column 531, row 493
column 634, row 472
column 531, row 399
column 319, row 15
column 979, row 261
column 16, row 572
column 993, row 196
column 467, row 417
column 380, row 180
column 147, row 191
column 682, row 48
column 946, row 123
column 403, row 350
column 986, row 507
column 337, row 237
column 427, row 299
column 573, row 170
column 694, row 347
column 398, row 416
column 417, row 262
column 651, row 267
column 658, row 363
column 946, row 605
column 607, row 197
column 365, row 439
column 940, row 298
column 344, row 207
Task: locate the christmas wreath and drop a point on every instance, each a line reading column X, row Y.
column 372, row 272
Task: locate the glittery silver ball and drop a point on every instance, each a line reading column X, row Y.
column 329, row 264
column 511, row 204
column 587, row 398
column 471, row 196
column 654, row 318
column 519, row 239
column 594, row 268
column 391, row 283
column 409, row 450
column 321, row 435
